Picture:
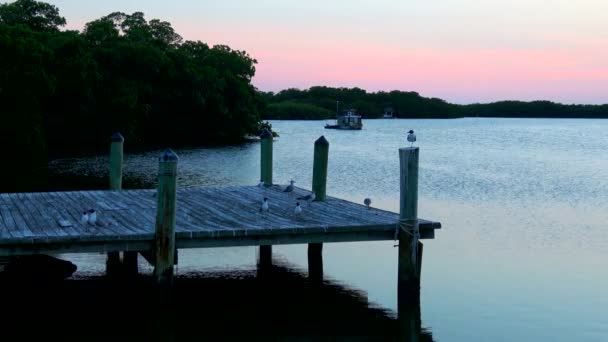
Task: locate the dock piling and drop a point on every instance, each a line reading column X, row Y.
column 319, row 187
column 113, row 263
column 165, row 218
column 410, row 249
column 266, row 157
column 319, row 169
column 265, row 252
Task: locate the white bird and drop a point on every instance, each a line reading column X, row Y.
column 308, row 198
column 367, row 202
column 92, row 216
column 289, row 188
column 265, row 208
column 298, row 209
column 411, row 137
column 84, row 218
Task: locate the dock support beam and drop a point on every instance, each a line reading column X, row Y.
column 113, row 263
column 165, row 219
column 319, row 187
column 265, row 253
column 315, row 262
column 410, row 250
column 128, row 266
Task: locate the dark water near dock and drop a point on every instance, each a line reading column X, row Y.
column 522, row 254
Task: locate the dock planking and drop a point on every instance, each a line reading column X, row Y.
column 205, row 217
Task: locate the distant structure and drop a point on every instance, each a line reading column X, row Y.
column 389, row 113
column 349, row 119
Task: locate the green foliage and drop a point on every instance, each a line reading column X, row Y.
column 316, row 102
column 322, row 103
column 65, row 92
column 289, row 110
column 534, row 109
column 38, row 16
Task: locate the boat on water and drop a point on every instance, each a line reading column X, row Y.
column 349, row 119
column 388, row 113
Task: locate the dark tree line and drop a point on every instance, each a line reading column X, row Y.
column 320, row 103
column 65, row 92
column 301, row 104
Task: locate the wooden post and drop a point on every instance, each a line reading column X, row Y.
column 410, row 323
column 165, row 218
column 319, row 169
column 116, row 158
column 408, row 273
column 266, row 160
column 315, row 262
column 265, row 253
column 265, row 256
column 129, row 258
column 319, row 187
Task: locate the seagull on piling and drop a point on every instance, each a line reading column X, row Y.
column 308, row 198
column 289, row 188
column 411, row 137
column 265, row 208
column 367, row 202
column 298, row 209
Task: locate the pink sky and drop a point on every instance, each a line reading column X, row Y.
column 459, row 50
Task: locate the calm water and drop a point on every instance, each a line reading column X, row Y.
column 523, row 251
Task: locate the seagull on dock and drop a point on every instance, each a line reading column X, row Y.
column 265, row 208
column 411, row 137
column 308, row 198
column 84, row 219
column 289, row 188
column 367, row 202
column 298, row 209
column 92, row 216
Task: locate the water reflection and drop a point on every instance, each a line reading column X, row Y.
column 276, row 303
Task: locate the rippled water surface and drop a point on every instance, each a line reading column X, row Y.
column 523, row 251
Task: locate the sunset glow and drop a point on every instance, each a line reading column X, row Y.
column 462, row 51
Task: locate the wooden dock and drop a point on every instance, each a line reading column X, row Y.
column 156, row 223
column 205, row 217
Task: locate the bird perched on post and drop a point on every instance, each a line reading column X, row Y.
column 289, row 188
column 308, row 198
column 411, row 137
column 264, row 208
column 367, row 202
column 298, row 209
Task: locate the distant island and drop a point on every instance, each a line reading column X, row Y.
column 322, row 102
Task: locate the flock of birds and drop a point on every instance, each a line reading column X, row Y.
column 297, row 211
column 265, row 206
column 89, row 216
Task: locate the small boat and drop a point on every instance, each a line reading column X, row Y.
column 388, row 113
column 348, row 120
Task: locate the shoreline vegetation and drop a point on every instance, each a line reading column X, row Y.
column 65, row 92
column 321, row 103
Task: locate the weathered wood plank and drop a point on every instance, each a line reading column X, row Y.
column 20, row 223
column 42, row 228
column 44, row 214
column 205, row 217
column 49, row 202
